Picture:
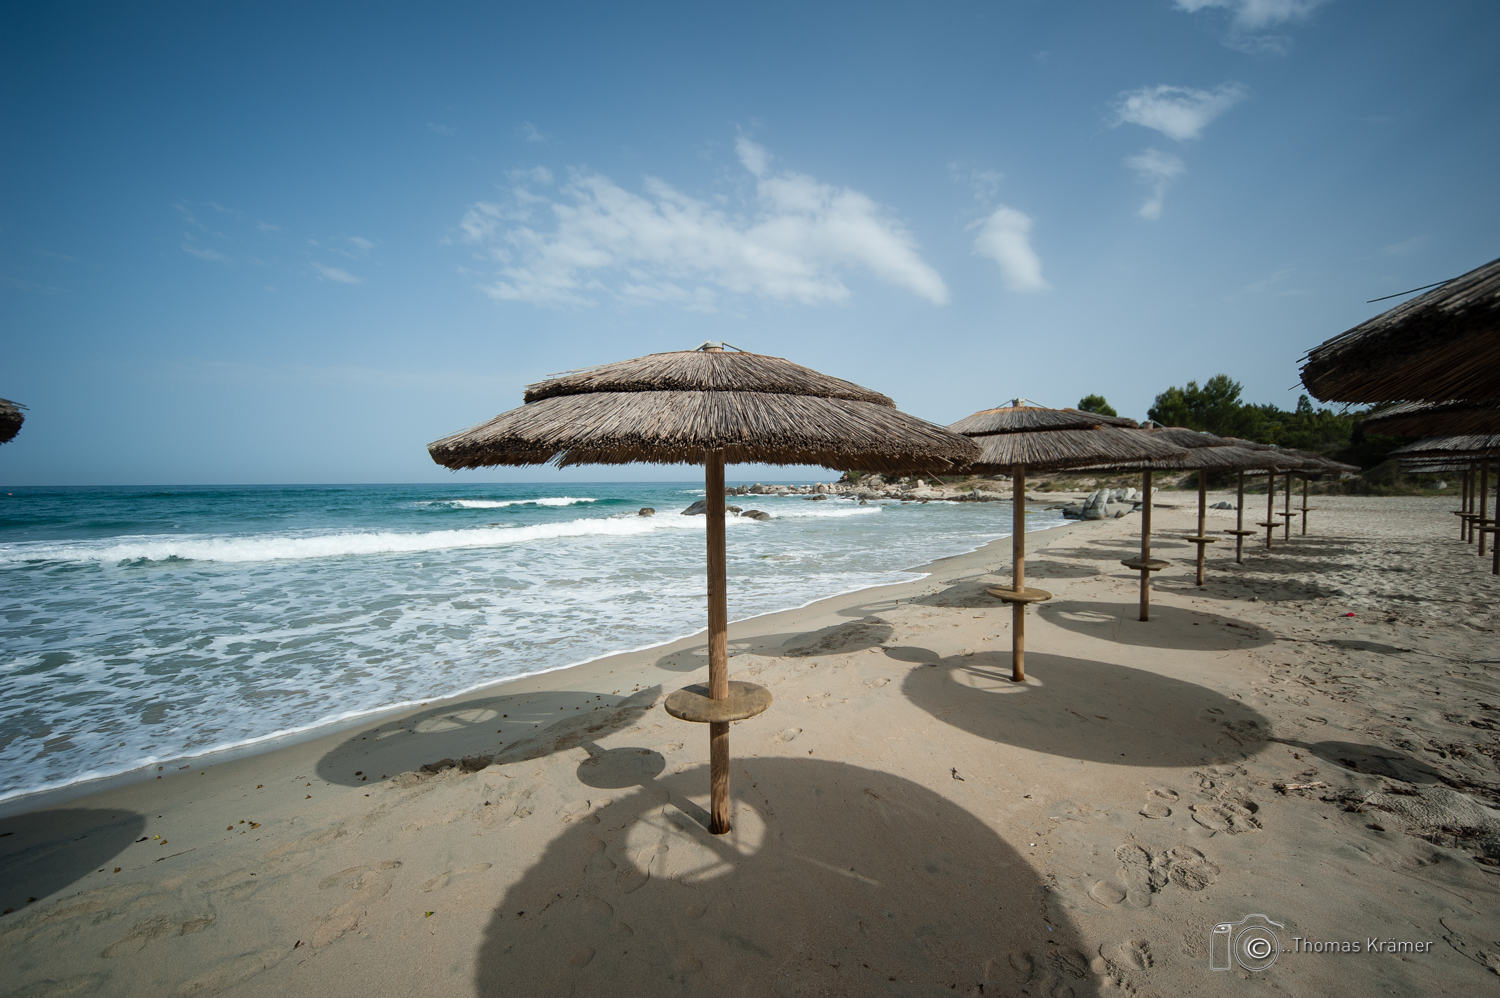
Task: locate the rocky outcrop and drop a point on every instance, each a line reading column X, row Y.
column 646, row 511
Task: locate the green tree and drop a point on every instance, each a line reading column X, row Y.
column 1096, row 403
column 1214, row 408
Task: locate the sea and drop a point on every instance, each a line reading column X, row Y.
column 142, row 625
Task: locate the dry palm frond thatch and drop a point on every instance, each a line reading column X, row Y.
column 1439, row 346
column 1477, row 444
column 10, row 420
column 676, row 427
column 1410, row 419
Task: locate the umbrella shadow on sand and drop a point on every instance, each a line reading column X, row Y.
column 1078, row 709
column 473, row 734
column 868, row 631
column 41, row 852
column 1169, row 626
column 834, row 880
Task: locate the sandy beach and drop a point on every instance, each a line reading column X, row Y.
column 1310, row 737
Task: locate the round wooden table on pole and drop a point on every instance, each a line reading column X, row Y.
column 1018, row 596
column 1287, row 512
column 1145, row 564
column 1239, row 531
column 1270, row 521
column 1202, row 539
column 1484, row 500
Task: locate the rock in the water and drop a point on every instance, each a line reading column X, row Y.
column 646, row 511
column 815, row 498
column 755, row 514
column 698, row 508
column 734, row 509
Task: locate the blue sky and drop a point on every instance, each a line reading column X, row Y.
column 295, row 243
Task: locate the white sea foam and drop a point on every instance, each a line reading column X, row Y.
column 502, row 503
column 281, row 547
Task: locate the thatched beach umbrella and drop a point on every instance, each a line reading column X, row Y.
column 1439, row 346
column 10, row 420
column 1421, row 419
column 1024, row 436
column 711, row 407
column 1202, row 452
column 1479, row 449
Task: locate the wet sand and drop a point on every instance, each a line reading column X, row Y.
column 907, row 820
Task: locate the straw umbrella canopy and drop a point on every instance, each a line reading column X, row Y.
column 707, row 406
column 10, row 420
column 1439, row 346
column 1419, row 419
column 1023, row 435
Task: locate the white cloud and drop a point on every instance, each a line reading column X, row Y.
column 1257, row 15
column 442, row 129
column 791, row 241
column 336, row 274
column 204, row 252
column 1177, row 112
column 362, row 244
column 1005, row 237
column 1250, row 19
column 530, row 132
column 1157, row 169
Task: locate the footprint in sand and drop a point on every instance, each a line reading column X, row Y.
column 877, row 683
column 1190, row 869
column 1133, row 953
column 368, row 884
column 1156, row 809
column 1106, row 893
column 145, row 933
column 447, row 877
column 1226, row 816
column 1143, row 873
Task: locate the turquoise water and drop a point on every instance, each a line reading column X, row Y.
column 145, row 624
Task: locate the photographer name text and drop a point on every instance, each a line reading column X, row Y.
column 1301, row 944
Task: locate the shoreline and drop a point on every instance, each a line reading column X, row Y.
column 25, row 801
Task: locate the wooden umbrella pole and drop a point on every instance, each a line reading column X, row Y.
column 1018, row 574
column 1484, row 500
column 1304, row 505
column 1495, row 555
column 1202, row 518
column 1270, row 507
column 1468, row 505
column 1286, row 521
column 1145, row 545
column 718, row 641
column 1239, row 523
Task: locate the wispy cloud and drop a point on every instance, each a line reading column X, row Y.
column 1405, row 246
column 1005, row 237
column 335, row 274
column 1179, row 113
column 530, row 132
column 1250, row 20
column 203, row 252
column 442, row 129
column 17, row 284
column 591, row 239
column 1157, row 169
column 268, row 227
column 56, row 256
